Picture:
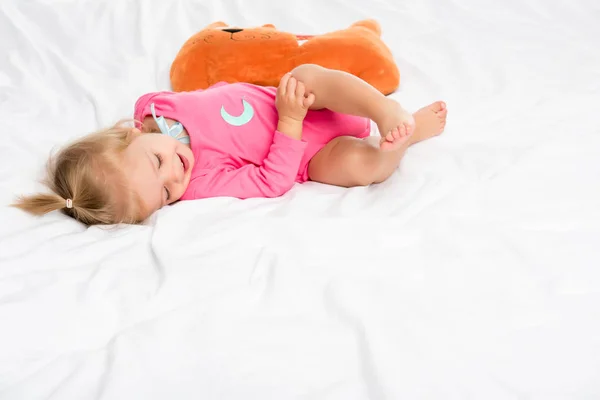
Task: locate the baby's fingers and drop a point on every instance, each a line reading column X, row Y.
column 282, row 89
column 300, row 89
column 291, row 86
column 309, row 100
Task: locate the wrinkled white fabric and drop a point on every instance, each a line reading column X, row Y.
column 473, row 272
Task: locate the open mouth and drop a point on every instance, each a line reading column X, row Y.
column 184, row 161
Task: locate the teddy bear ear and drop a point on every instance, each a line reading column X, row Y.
column 269, row 26
column 370, row 24
column 218, row 24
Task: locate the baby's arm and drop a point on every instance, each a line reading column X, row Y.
column 345, row 93
column 274, row 177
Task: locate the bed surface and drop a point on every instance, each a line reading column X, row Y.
column 472, row 273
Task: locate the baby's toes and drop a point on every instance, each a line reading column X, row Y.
column 442, row 114
column 402, row 130
column 396, row 134
column 408, row 128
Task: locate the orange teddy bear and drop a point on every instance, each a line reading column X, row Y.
column 263, row 55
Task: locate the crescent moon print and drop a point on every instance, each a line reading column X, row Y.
column 242, row 119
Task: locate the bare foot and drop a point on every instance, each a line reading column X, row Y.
column 430, row 121
column 396, row 126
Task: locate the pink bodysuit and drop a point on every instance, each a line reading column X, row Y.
column 237, row 148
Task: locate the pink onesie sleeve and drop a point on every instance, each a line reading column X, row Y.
column 273, row 178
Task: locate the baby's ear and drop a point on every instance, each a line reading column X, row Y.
column 133, row 133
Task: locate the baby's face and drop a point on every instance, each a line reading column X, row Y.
column 158, row 168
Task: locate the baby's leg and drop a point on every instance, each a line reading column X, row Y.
column 346, row 94
column 347, row 161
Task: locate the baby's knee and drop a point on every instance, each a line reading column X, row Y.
column 364, row 165
column 308, row 74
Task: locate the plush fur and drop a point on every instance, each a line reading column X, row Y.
column 262, row 55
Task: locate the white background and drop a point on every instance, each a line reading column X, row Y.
column 473, row 273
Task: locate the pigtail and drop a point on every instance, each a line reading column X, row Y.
column 86, row 181
column 40, row 203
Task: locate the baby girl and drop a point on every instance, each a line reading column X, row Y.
column 238, row 140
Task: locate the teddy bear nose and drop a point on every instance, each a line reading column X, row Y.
column 232, row 30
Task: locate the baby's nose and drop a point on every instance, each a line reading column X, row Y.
column 177, row 171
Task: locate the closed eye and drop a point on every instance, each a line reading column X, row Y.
column 166, row 190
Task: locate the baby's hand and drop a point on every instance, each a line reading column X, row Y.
column 291, row 100
column 292, row 106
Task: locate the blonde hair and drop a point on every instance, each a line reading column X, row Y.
column 87, row 176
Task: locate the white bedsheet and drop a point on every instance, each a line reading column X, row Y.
column 473, row 273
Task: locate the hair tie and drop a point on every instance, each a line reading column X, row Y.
column 69, row 203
